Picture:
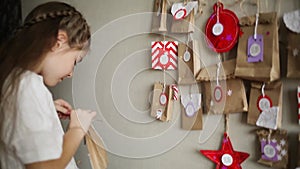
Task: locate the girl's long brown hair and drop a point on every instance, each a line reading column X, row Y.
column 27, row 49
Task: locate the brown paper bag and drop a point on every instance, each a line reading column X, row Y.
column 273, row 91
column 227, row 97
column 188, row 69
column 158, row 110
column 191, row 116
column 159, row 17
column 96, row 150
column 269, row 68
column 273, row 148
column 185, row 25
column 293, row 55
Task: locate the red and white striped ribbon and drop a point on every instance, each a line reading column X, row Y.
column 175, row 92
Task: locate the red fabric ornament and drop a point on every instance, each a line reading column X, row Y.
column 222, row 36
column 226, row 158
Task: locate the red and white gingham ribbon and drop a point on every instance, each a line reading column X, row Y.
column 175, row 92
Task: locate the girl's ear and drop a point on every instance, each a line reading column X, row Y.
column 61, row 39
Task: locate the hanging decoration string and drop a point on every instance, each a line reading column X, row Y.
column 164, row 71
column 256, row 20
column 263, row 90
column 227, row 124
column 269, row 136
column 218, row 73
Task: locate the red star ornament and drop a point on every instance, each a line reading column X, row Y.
column 226, row 158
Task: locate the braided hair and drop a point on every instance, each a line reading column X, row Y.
column 26, row 50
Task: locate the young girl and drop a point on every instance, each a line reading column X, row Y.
column 52, row 40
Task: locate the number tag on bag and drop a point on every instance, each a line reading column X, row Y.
column 255, row 49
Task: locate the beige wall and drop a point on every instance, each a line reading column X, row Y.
column 125, row 66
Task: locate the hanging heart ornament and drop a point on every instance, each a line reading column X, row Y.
column 222, row 29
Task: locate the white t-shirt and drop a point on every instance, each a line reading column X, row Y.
column 38, row 135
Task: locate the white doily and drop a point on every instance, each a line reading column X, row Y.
column 292, row 20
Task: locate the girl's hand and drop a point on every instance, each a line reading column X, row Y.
column 81, row 119
column 63, row 108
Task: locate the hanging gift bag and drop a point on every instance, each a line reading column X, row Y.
column 226, row 96
column 183, row 16
column 273, row 148
column 191, row 109
column 159, row 17
column 258, row 49
column 162, row 102
column 293, row 43
column 189, row 63
column 164, row 55
column 265, row 105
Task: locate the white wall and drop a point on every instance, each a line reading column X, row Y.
column 130, row 55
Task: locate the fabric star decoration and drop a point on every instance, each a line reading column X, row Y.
column 226, row 158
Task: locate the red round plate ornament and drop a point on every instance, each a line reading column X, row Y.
column 222, row 29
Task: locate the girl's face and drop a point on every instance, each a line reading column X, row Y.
column 59, row 62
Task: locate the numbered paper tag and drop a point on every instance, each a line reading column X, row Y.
column 218, row 94
column 264, row 103
column 255, row 49
column 190, row 109
column 186, row 56
column 227, row 159
column 163, row 99
column 269, row 151
column 268, row 118
column 217, row 29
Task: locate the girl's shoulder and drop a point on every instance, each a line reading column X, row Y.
column 32, row 83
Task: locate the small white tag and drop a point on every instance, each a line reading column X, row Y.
column 163, row 99
column 264, row 104
column 255, row 49
column 269, row 151
column 164, row 59
column 186, row 56
column 217, row 29
column 190, row 110
column 227, row 159
column 218, row 94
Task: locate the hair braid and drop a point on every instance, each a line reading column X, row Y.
column 45, row 16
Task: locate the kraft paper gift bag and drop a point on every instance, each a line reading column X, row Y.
column 183, row 16
column 159, row 17
column 191, row 108
column 162, row 102
column 273, row 148
column 293, row 43
column 189, row 63
column 98, row 156
column 265, row 105
column 258, row 59
column 293, row 55
column 229, row 96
